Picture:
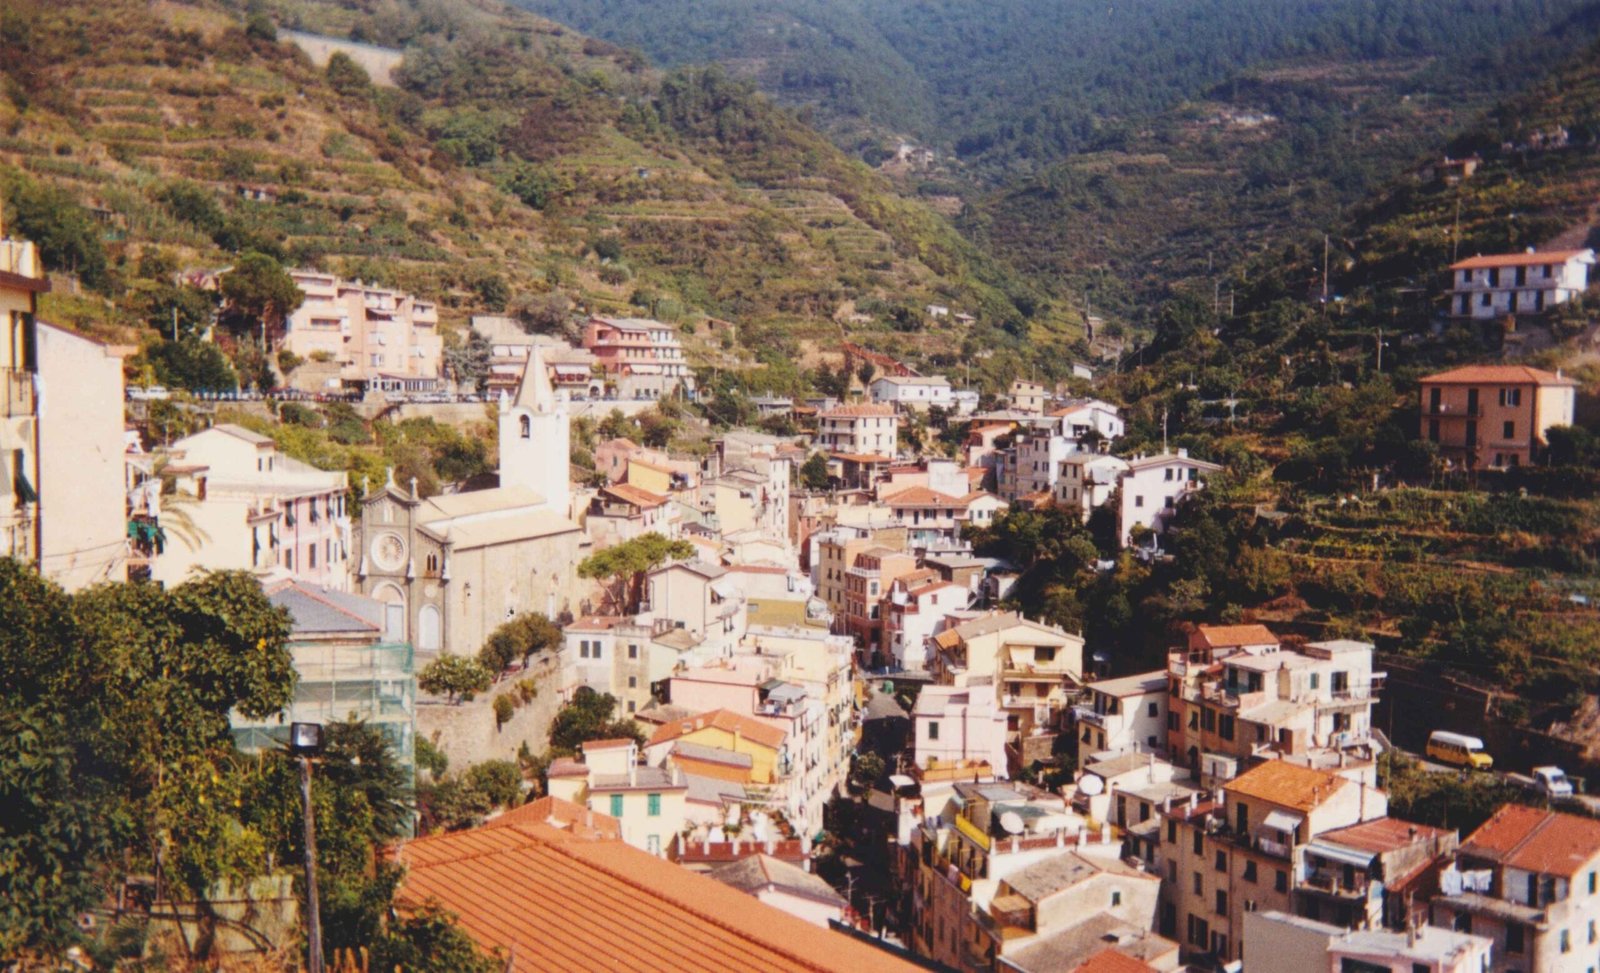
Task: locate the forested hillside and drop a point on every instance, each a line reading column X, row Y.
column 516, row 165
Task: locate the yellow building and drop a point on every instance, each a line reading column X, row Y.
column 724, row 730
column 648, row 476
column 1031, row 665
column 648, row 802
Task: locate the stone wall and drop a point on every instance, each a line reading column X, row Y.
column 467, row 732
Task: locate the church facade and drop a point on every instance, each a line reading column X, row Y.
column 450, row 569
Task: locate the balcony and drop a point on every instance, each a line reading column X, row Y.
column 1449, row 410
column 1277, row 849
column 16, row 393
column 1086, row 714
column 1330, row 882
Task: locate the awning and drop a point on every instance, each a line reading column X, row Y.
column 1344, row 856
column 1283, row 821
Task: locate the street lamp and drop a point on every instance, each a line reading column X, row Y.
column 305, row 742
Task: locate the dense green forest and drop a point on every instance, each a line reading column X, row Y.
column 1026, row 81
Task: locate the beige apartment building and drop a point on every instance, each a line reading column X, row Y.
column 380, row 339
column 1032, row 666
column 1220, row 859
column 62, row 482
column 863, row 429
column 1495, row 416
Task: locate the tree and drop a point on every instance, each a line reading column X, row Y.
column 500, row 780
column 468, row 360
column 67, row 236
column 589, row 717
column 865, row 772
column 259, row 292
column 814, row 472
column 192, row 364
column 621, row 567
column 522, row 637
column 454, row 676
column 346, row 76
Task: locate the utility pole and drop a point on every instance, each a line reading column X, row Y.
column 1324, row 270
column 313, row 909
column 1455, row 233
column 1163, row 431
column 1380, row 350
column 174, row 324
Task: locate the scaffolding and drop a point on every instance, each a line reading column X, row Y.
column 373, row 683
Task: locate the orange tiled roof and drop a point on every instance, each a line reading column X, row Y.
column 637, row 496
column 1497, row 375
column 1517, row 259
column 863, row 457
column 1222, row 636
column 1546, row 842
column 548, row 899
column 858, row 410
column 1286, row 784
column 556, row 813
column 721, row 719
column 1112, row 960
column 921, row 496
column 616, row 743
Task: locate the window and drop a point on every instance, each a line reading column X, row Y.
column 1281, row 882
column 1433, row 430
column 1511, row 397
column 525, row 427
column 1241, row 817
column 1508, row 430
column 1591, row 883
column 312, row 550
column 1222, row 861
column 933, row 729
column 1169, row 474
column 633, row 651
column 1222, row 903
column 1116, row 899
column 653, row 805
column 1199, row 932
column 1172, row 871
column 616, row 805
column 1138, row 501
column 1225, row 727
column 1153, row 710
column 1513, row 933
column 1199, row 889
column 653, row 844
column 633, row 682
column 1172, row 832
column 1566, row 941
column 1316, row 679
column 1249, row 871
column 1199, row 841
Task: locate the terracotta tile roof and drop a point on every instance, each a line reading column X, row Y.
column 637, row 496
column 614, row 744
column 1227, row 636
column 1496, row 375
column 1112, row 960
column 547, row 899
column 1381, row 835
column 1518, row 259
column 1286, row 784
column 920, row 496
column 556, row 813
column 858, row 410
column 721, row 719
column 1546, row 842
column 929, row 589
column 863, row 457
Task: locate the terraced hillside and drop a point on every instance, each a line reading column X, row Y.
column 514, row 159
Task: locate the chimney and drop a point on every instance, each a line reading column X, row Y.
column 633, row 774
column 1083, row 838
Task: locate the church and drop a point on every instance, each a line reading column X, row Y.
column 452, row 568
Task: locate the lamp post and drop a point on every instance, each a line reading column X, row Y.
column 305, row 742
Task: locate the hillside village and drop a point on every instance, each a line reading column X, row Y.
column 586, row 629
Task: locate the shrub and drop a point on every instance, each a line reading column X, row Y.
column 504, row 708
column 454, row 676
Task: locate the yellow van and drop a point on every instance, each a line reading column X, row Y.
column 1458, row 750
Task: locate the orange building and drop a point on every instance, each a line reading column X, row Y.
column 1495, row 416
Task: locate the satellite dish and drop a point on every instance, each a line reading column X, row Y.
column 1012, row 822
column 1091, row 785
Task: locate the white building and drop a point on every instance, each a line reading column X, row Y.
column 959, row 724
column 1154, row 486
column 1087, row 480
column 868, row 429
column 912, row 391
column 1080, row 417
column 1033, row 464
column 251, row 508
column 1276, row 942
column 913, row 614
column 1517, row 283
column 1127, row 713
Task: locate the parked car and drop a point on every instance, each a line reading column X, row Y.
column 140, row 393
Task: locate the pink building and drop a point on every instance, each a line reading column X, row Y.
column 379, row 338
column 641, row 358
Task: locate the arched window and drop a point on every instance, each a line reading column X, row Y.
column 428, row 629
column 527, row 427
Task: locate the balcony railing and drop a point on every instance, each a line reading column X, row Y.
column 1086, row 714
column 1329, row 881
column 16, row 392
column 1276, row 848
